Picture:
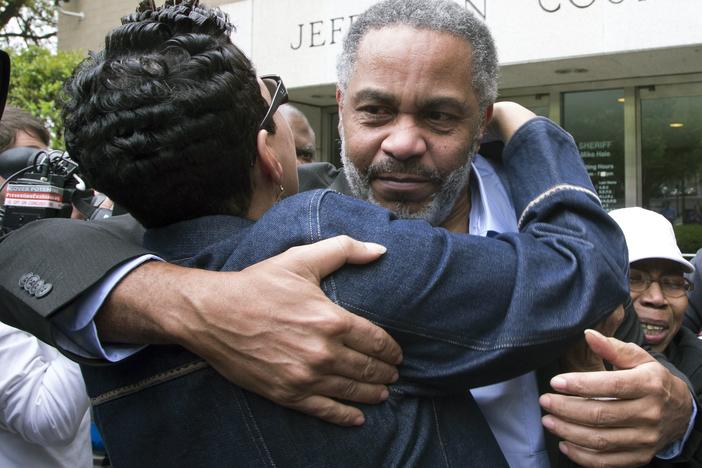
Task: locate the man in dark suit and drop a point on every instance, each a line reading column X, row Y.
column 218, row 355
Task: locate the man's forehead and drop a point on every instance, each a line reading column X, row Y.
column 658, row 265
column 390, row 37
column 26, row 138
column 418, row 60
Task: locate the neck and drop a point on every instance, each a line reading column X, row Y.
column 457, row 221
column 259, row 204
column 264, row 194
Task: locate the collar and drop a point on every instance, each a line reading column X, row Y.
column 187, row 238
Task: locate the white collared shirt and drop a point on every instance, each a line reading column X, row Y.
column 511, row 407
column 44, row 408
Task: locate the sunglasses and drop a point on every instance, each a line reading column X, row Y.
column 279, row 96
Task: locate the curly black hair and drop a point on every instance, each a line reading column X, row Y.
column 164, row 119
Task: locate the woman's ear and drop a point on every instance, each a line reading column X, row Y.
column 266, row 157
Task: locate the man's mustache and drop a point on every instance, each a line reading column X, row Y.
column 412, row 168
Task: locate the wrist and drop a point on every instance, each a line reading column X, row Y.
column 149, row 306
column 182, row 319
column 684, row 409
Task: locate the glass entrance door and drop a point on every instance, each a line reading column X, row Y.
column 596, row 121
column 671, row 157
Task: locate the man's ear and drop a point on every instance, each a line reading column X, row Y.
column 488, row 114
column 340, row 104
column 487, row 117
column 339, row 99
column 266, row 157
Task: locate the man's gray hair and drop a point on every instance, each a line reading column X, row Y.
column 436, row 15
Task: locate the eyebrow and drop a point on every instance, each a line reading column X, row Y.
column 377, row 95
column 444, row 102
column 371, row 94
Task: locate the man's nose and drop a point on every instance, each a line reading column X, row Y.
column 405, row 139
column 654, row 295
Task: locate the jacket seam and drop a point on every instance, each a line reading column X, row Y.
column 552, row 191
column 475, row 344
column 148, row 382
column 438, row 433
column 256, row 431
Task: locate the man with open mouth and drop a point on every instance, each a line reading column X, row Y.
column 659, row 289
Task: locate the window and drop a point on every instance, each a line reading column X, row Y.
column 671, row 157
column 596, row 121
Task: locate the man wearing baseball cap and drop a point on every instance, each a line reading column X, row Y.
column 659, row 289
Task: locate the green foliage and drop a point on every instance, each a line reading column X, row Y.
column 689, row 237
column 37, row 82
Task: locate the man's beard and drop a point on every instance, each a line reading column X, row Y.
column 437, row 210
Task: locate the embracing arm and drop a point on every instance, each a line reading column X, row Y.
column 69, row 256
column 469, row 310
column 268, row 328
column 230, row 326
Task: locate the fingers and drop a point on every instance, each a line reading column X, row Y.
column 595, row 438
column 624, row 384
column 604, row 433
column 599, row 413
column 329, row 410
column 327, row 256
column 371, row 340
column 341, row 388
column 620, row 354
column 631, row 382
column 589, row 458
column 362, row 368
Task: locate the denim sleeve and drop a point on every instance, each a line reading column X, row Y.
column 469, row 311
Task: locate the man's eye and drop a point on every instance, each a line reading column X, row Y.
column 438, row 116
column 374, row 114
column 374, row 110
column 636, row 278
column 674, row 284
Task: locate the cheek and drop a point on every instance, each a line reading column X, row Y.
column 679, row 308
column 361, row 148
column 449, row 156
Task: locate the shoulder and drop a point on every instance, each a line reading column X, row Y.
column 688, row 342
column 317, row 199
column 317, row 175
column 686, row 355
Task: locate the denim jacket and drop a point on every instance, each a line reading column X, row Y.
column 467, row 311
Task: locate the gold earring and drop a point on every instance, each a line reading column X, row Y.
column 280, row 194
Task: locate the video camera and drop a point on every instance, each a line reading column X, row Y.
column 40, row 183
